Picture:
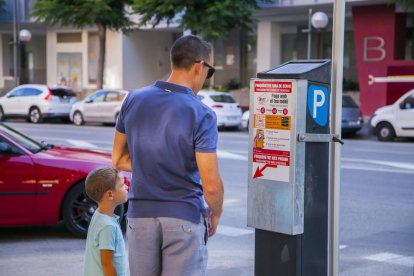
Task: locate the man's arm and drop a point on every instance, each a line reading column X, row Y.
column 212, row 186
column 107, row 261
column 121, row 159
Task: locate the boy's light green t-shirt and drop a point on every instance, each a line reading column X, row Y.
column 104, row 233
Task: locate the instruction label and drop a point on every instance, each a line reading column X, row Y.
column 273, row 109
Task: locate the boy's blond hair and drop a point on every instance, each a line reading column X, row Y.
column 99, row 181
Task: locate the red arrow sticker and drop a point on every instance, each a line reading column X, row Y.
column 259, row 171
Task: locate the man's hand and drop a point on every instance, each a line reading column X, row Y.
column 212, row 187
column 213, row 221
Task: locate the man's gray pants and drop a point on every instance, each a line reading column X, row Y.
column 166, row 246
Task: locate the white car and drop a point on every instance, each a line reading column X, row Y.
column 227, row 110
column 245, row 120
column 36, row 102
column 103, row 106
column 396, row 120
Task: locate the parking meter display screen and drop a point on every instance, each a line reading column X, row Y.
column 272, row 125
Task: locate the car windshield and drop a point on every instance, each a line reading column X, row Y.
column 222, row 99
column 347, row 101
column 21, row 139
column 60, row 92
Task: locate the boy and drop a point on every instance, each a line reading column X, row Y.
column 105, row 248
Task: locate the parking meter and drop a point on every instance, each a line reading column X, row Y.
column 289, row 168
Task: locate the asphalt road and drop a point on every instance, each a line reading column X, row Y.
column 376, row 220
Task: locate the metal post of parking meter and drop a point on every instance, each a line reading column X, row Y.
column 334, row 192
column 288, row 192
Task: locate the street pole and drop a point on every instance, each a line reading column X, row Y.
column 15, row 43
column 334, row 187
column 309, row 33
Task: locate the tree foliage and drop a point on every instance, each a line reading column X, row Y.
column 208, row 18
column 80, row 13
column 105, row 14
column 406, row 4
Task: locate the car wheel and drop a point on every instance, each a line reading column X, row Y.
column 35, row 116
column 78, row 209
column 2, row 116
column 78, row 118
column 385, row 132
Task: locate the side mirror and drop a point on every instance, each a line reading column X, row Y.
column 402, row 105
column 10, row 96
column 88, row 100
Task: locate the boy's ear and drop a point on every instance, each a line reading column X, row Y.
column 110, row 194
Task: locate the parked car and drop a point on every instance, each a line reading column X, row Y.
column 396, row 120
column 43, row 183
column 103, row 106
column 36, row 102
column 351, row 116
column 228, row 111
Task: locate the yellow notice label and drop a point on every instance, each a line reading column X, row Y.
column 278, row 122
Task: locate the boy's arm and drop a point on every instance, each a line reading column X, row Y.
column 121, row 159
column 212, row 186
column 107, row 261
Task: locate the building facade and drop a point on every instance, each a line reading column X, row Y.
column 378, row 43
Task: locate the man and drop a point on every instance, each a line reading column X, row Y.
column 168, row 139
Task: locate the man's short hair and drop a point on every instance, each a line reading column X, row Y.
column 188, row 49
column 99, row 181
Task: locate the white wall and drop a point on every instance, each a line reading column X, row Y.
column 113, row 60
column 145, row 57
column 269, row 45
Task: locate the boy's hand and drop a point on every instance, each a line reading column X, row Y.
column 107, row 261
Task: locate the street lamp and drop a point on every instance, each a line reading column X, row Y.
column 319, row 20
column 24, row 36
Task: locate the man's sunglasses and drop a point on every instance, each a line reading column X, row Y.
column 211, row 69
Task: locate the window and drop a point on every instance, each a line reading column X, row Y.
column 69, row 37
column 62, row 92
column 111, row 97
column 17, row 93
column 223, row 99
column 122, row 95
column 7, row 149
column 21, row 139
column 347, row 101
column 31, row 92
column 98, row 97
column 408, row 102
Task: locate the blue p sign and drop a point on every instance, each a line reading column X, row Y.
column 318, row 98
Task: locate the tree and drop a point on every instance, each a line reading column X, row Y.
column 406, row 4
column 208, row 18
column 104, row 14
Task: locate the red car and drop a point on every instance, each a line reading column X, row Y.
column 43, row 184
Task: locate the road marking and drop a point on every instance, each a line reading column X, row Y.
column 231, row 202
column 229, row 155
column 232, row 231
column 398, row 165
column 391, row 258
column 362, row 168
column 81, row 143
